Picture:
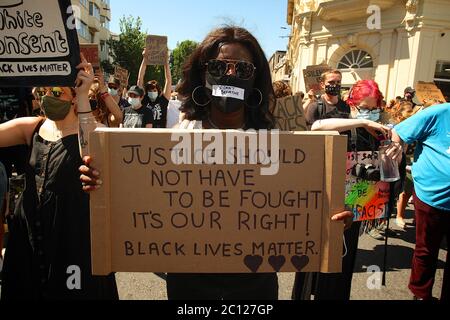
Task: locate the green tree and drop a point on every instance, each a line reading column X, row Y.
column 126, row 51
column 179, row 57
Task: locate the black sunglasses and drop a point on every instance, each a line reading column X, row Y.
column 218, row 68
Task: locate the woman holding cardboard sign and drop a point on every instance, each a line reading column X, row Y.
column 229, row 57
column 156, row 99
column 48, row 252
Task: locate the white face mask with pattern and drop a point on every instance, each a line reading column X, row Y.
column 113, row 92
column 135, row 103
column 153, row 96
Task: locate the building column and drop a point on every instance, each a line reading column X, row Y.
column 403, row 72
column 384, row 62
column 425, row 64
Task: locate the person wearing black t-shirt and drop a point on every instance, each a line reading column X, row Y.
column 137, row 115
column 155, row 99
column 330, row 104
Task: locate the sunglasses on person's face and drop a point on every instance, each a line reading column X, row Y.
column 57, row 92
column 217, row 68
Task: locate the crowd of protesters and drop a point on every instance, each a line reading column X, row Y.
column 42, row 145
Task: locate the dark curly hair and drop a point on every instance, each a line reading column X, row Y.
column 259, row 117
column 282, row 89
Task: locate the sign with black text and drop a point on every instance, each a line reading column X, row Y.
column 211, row 201
column 38, row 43
column 156, row 50
column 289, row 114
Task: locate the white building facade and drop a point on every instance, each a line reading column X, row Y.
column 395, row 42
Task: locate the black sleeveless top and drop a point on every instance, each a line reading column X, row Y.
column 50, row 232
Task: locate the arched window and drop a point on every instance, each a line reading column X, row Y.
column 356, row 59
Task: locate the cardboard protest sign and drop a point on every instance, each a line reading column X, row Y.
column 428, row 91
column 156, row 213
column 38, row 43
column 122, row 74
column 92, row 54
column 289, row 114
column 368, row 200
column 157, row 50
column 312, row 76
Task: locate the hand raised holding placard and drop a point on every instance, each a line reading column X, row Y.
column 85, row 78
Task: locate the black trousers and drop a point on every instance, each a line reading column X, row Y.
column 333, row 286
column 222, row 286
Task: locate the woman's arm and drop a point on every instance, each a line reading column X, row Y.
column 111, row 104
column 142, row 69
column 168, row 86
column 86, row 119
column 342, row 125
column 17, row 131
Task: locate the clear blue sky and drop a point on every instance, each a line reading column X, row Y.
column 192, row 20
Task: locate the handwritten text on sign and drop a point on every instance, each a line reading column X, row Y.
column 289, row 114
column 156, row 50
column 208, row 218
column 37, row 43
column 368, row 200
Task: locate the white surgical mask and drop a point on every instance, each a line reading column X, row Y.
column 135, row 103
column 153, row 95
column 113, row 92
column 366, row 114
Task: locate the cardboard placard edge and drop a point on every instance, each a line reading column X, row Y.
column 334, row 187
column 100, row 214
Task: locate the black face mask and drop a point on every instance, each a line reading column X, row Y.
column 333, row 90
column 229, row 93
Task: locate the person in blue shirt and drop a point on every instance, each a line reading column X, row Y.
column 431, row 174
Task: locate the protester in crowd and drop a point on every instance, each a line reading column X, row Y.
column 430, row 129
column 228, row 56
column 301, row 94
column 155, row 99
column 49, row 238
column 400, row 112
column 409, row 95
column 37, row 93
column 3, row 189
column 15, row 103
column 281, row 89
column 174, row 115
column 114, row 90
column 104, row 106
column 137, row 115
column 360, row 124
column 330, row 104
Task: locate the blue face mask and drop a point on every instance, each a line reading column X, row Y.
column 366, row 114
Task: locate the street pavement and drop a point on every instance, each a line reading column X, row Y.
column 147, row 286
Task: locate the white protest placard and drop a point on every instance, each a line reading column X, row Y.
column 38, row 43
